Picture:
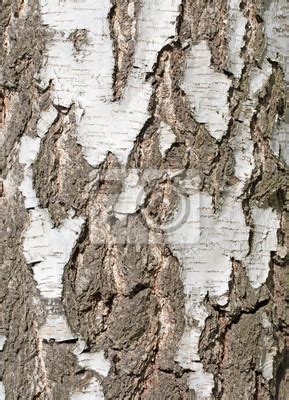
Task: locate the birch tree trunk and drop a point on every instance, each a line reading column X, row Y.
column 143, row 199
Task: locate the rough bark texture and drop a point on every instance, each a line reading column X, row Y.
column 144, row 199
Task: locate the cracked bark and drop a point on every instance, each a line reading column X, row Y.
column 144, row 199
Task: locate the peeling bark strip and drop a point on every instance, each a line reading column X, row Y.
column 145, row 199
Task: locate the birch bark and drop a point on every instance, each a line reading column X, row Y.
column 144, row 199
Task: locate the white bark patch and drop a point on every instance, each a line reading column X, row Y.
column 185, row 234
column 270, row 350
column 29, row 148
column 2, row 341
column 279, row 142
column 207, row 90
column 2, row 391
column 56, row 328
column 236, row 31
column 206, row 269
column 206, row 263
column 94, row 362
column 258, row 79
column 49, row 249
column 166, row 138
column 105, row 125
column 45, row 121
column 266, row 223
column 131, row 197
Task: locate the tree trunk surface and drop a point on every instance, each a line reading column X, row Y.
column 144, row 199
